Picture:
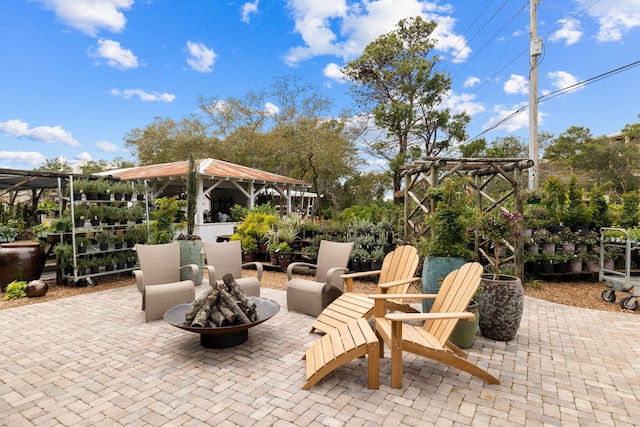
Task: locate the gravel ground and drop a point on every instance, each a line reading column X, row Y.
column 578, row 294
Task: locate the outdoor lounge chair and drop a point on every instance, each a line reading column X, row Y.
column 226, row 258
column 311, row 296
column 158, row 279
column 431, row 339
column 395, row 277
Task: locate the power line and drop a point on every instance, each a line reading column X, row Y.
column 559, row 92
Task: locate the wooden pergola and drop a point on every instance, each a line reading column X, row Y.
column 496, row 183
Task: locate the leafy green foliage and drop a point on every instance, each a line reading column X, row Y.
column 15, row 290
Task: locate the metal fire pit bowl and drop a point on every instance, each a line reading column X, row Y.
column 224, row 336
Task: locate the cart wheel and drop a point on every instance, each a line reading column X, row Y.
column 630, row 303
column 609, row 295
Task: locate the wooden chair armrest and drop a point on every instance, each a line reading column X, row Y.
column 258, row 266
column 398, row 282
column 400, row 317
column 397, row 296
column 297, row 264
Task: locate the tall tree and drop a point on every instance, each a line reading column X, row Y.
column 166, row 140
column 285, row 130
column 397, row 77
column 56, row 164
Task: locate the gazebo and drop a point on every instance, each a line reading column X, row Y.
column 220, row 186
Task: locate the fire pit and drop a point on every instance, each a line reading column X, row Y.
column 223, row 336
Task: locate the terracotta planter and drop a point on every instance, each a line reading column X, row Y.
column 20, row 260
column 284, row 262
column 501, row 303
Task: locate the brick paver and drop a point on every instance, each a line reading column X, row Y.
column 92, row 360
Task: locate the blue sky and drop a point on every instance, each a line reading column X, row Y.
column 77, row 75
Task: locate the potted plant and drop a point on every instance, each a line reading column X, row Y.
column 377, row 256
column 284, row 254
column 96, row 214
column 448, row 245
column 112, row 214
column 103, row 238
column 64, row 256
column 7, row 233
column 80, row 214
column 82, row 243
column 358, row 256
column 190, row 244
column 501, row 297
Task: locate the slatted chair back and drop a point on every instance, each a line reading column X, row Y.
column 455, row 294
column 401, row 263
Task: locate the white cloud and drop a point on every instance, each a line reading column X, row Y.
column 471, row 81
column 331, row 27
column 334, row 72
column 89, row 16
column 83, row 158
column 462, row 103
column 107, row 147
column 30, row 158
column 616, row 17
column 500, row 112
column 114, row 54
column 571, row 32
column 271, row 108
column 47, row 134
column 249, row 9
column 562, row 79
column 201, row 58
column 516, row 85
column 144, row 96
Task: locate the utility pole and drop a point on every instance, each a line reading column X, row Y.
column 535, row 50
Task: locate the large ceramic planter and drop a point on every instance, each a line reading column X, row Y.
column 501, row 303
column 465, row 331
column 191, row 253
column 434, row 270
column 20, row 260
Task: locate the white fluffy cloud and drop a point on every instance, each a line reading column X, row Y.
column 471, row 81
column 107, row 147
column 249, row 9
column 615, row 17
column 562, row 79
column 334, row 72
column 144, row 96
column 47, row 134
column 201, row 58
column 31, row 158
column 570, row 32
column 331, row 27
column 459, row 103
column 114, row 55
column 516, row 85
column 501, row 112
column 89, row 16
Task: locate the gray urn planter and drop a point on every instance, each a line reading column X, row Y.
column 501, row 302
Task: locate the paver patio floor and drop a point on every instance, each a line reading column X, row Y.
column 91, row 360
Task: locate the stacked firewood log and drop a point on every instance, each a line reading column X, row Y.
column 222, row 304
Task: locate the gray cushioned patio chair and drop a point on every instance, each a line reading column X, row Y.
column 160, row 268
column 226, row 258
column 311, row 296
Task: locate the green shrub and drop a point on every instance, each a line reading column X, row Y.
column 15, row 290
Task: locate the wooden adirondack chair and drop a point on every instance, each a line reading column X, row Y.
column 431, row 339
column 395, row 276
